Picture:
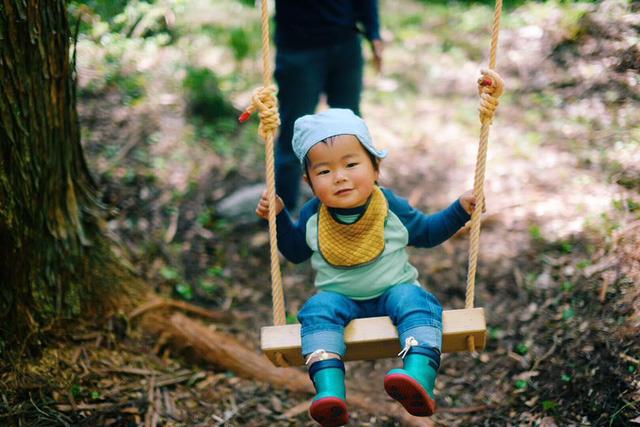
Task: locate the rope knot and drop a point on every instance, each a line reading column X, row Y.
column 264, row 100
column 490, row 88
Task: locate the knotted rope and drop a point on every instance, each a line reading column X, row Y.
column 264, row 100
column 490, row 87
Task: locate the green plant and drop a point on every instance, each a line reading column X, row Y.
column 535, row 233
column 568, row 313
column 215, row 271
column 207, row 285
column 567, row 247
column 184, row 290
column 240, row 42
column 549, row 405
column 495, row 333
column 205, row 100
column 522, row 349
column 291, row 319
column 76, row 390
column 105, row 9
column 169, row 273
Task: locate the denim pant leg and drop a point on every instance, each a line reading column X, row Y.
column 300, row 75
column 416, row 313
column 323, row 318
column 344, row 76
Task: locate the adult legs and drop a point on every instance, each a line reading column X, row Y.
column 344, row 76
column 300, row 76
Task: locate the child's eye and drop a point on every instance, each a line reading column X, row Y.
column 323, row 172
column 351, row 165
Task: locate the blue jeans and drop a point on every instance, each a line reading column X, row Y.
column 302, row 76
column 415, row 312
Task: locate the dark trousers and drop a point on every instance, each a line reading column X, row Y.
column 302, row 76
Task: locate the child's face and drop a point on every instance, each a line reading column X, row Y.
column 341, row 172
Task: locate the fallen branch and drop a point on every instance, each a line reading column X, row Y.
column 103, row 407
column 150, row 403
column 132, row 371
column 547, row 354
column 466, row 410
column 161, row 381
column 297, row 410
column 608, row 277
column 158, row 303
column 225, row 351
column 84, row 407
column 228, row 353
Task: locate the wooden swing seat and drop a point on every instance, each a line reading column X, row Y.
column 376, row 337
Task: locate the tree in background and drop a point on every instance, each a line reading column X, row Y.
column 55, row 263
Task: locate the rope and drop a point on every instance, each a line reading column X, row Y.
column 490, row 87
column 265, row 101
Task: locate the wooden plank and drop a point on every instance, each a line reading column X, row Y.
column 376, row 337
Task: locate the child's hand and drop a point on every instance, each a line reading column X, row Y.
column 468, row 202
column 263, row 206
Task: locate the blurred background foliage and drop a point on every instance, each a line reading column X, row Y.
column 203, row 58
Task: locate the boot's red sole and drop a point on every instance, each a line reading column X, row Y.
column 410, row 394
column 329, row 412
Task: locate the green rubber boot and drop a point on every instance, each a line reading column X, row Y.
column 413, row 384
column 329, row 407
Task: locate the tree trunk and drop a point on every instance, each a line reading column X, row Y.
column 54, row 261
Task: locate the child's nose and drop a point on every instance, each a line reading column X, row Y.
column 340, row 176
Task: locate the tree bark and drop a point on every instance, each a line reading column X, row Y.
column 54, row 261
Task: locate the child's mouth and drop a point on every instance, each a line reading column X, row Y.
column 343, row 192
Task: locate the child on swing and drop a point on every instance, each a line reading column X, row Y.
column 355, row 233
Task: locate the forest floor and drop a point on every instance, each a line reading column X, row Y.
column 559, row 268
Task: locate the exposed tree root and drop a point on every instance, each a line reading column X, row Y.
column 158, row 303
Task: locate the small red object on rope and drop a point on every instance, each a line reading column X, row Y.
column 486, row 82
column 244, row 117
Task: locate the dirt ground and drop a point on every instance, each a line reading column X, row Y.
column 559, row 268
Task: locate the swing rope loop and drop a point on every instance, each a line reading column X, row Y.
column 264, row 100
column 490, row 88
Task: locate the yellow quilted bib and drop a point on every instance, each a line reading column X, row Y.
column 359, row 243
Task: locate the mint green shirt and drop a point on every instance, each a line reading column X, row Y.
column 370, row 280
column 405, row 226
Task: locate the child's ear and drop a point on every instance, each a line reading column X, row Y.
column 306, row 179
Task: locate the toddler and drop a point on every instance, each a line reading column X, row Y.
column 355, row 233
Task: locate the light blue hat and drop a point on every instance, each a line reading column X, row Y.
column 310, row 129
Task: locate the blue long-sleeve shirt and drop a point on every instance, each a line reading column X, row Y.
column 405, row 226
column 308, row 24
